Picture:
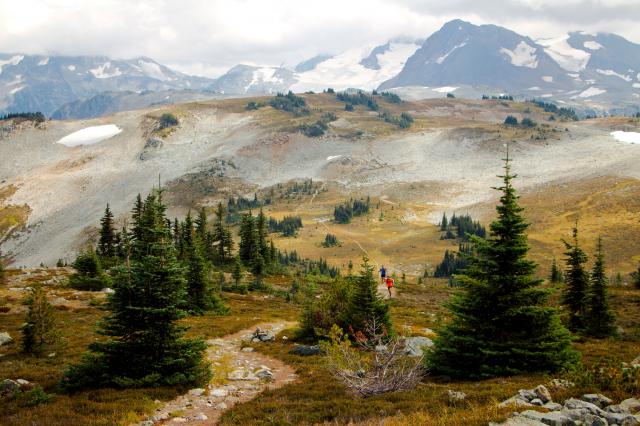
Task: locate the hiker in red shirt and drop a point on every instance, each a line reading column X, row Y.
column 389, row 285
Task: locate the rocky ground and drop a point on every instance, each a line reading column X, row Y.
column 240, row 374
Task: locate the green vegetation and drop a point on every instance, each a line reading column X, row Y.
column 358, row 98
column 314, row 130
column 499, row 97
column 461, row 228
column 390, row 97
column 511, row 120
column 288, row 226
column 599, row 319
column 403, row 121
column 167, row 120
column 89, row 274
column 145, row 345
column 556, row 275
column 38, row 117
column 574, row 296
column 39, row 329
column 453, row 262
column 349, row 209
column 500, row 324
column 565, row 114
column 290, row 103
column 330, row 240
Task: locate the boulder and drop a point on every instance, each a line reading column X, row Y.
column 519, row 421
column 241, row 374
column 527, row 394
column 622, row 419
column 572, row 404
column 5, row 338
column 414, row 345
column 221, row 406
column 560, row 384
column 264, row 373
column 304, row 350
column 263, row 335
column 201, row 417
column 552, row 406
column 554, row 418
column 631, row 405
column 247, row 349
column 456, row 395
column 196, row 392
column 516, row 402
column 543, row 393
column 596, row 399
column 537, row 401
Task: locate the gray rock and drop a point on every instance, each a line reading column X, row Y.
column 456, row 395
column 241, row 374
column 414, row 345
column 561, row 384
column 519, row 421
column 527, row 394
column 304, row 350
column 591, row 420
column 221, row 406
column 161, row 416
column 147, row 423
column 552, row 406
column 631, row 405
column 179, row 420
column 537, row 401
column 196, row 392
column 263, row 335
column 543, row 393
column 215, row 342
column 201, row 417
column 264, row 373
column 5, row 338
column 247, row 349
column 573, row 403
column 219, row 392
column 554, row 418
column 622, row 419
column 596, row 399
column 9, row 388
column 516, row 402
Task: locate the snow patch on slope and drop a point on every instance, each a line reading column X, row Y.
column 152, row 70
column 90, row 135
column 102, row 71
column 592, row 45
column 263, row 75
column 445, row 89
column 43, row 62
column 522, row 56
column 613, row 73
column 344, row 71
column 569, row 58
column 627, row 137
column 14, row 60
column 441, row 59
column 591, row 91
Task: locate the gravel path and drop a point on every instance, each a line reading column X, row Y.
column 246, row 374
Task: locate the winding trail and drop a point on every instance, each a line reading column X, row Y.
column 240, row 381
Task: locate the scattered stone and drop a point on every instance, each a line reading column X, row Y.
column 196, row 392
column 215, row 342
column 201, row 417
column 221, row 406
column 597, row 399
column 631, row 405
column 24, row 384
column 414, row 345
column 52, row 354
column 573, row 403
column 285, row 338
column 219, row 392
column 304, row 350
column 161, row 416
column 515, row 401
column 456, row 395
column 263, row 335
column 5, row 338
column 179, row 420
column 519, row 421
column 537, row 401
column 264, row 373
column 247, row 349
column 241, row 374
column 147, row 423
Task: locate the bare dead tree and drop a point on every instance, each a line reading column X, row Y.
column 374, row 365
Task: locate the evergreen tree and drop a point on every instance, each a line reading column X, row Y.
column 237, row 271
column 635, row 276
column 444, row 223
column 258, row 268
column 136, row 215
column 556, row 275
column 574, row 296
column 599, row 320
column 89, row 274
column 202, row 235
column 39, row 328
column 196, row 279
column 500, row 324
column 106, row 244
column 262, row 232
column 221, row 236
column 366, row 306
column 248, row 246
column 2, row 268
column 145, row 345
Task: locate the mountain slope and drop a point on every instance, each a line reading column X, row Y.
column 45, row 83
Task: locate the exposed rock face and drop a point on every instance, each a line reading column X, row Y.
column 414, row 345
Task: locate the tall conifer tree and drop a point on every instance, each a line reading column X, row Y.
column 500, row 323
column 574, row 296
column 599, row 321
column 106, row 243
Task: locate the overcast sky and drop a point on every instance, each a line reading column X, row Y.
column 206, row 37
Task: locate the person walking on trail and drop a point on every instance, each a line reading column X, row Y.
column 383, row 274
column 389, row 285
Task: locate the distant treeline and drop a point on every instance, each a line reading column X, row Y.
column 500, row 97
column 453, row 262
column 403, row 121
column 38, row 117
column 236, row 205
column 562, row 112
column 358, row 98
column 318, row 267
column 347, row 210
column 288, row 226
column 461, row 227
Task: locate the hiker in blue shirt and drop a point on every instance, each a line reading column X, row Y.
column 383, row 274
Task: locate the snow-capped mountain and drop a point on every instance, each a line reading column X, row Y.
column 252, row 80
column 45, row 83
column 461, row 53
column 364, row 67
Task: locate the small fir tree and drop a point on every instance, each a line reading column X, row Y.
column 500, row 323
column 599, row 320
column 39, row 328
column 237, row 271
column 556, row 273
column 366, row 306
column 106, row 243
column 574, row 296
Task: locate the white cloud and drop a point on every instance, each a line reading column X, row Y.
column 207, row 36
